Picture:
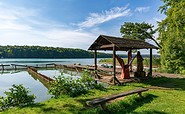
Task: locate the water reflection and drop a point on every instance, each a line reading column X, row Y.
column 36, row 85
column 8, row 78
column 9, row 71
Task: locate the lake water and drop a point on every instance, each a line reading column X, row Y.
column 10, row 77
column 30, row 61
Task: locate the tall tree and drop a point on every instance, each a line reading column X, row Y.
column 141, row 31
column 172, row 36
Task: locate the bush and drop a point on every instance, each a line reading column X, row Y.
column 183, row 72
column 66, row 86
column 73, row 87
column 89, row 82
column 17, row 96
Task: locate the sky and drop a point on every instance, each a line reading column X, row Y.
column 70, row 23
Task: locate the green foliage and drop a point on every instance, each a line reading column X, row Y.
column 45, row 52
column 136, row 30
column 90, row 82
column 67, row 86
column 140, row 31
column 183, row 72
column 16, row 96
column 73, row 87
column 171, row 36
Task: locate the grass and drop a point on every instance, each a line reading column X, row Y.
column 167, row 98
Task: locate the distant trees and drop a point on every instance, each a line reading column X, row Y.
column 45, row 52
column 172, row 36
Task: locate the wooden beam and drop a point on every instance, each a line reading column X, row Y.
column 107, row 46
column 150, row 62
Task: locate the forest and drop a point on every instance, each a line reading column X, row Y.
column 46, row 52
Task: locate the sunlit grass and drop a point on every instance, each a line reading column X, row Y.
column 167, row 97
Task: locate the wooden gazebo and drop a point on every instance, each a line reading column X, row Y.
column 104, row 42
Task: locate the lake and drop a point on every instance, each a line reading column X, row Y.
column 10, row 77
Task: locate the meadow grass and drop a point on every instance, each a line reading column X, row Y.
column 167, row 98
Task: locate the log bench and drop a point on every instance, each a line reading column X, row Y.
column 102, row 101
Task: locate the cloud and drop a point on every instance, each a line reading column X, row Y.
column 24, row 26
column 9, row 12
column 14, row 26
column 12, row 17
column 107, row 15
column 159, row 18
column 71, row 38
column 142, row 9
column 55, row 38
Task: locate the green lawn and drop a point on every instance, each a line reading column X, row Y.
column 168, row 97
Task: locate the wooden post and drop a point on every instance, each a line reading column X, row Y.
column 150, row 74
column 114, row 63
column 130, row 58
column 95, row 64
column 2, row 67
column 95, row 59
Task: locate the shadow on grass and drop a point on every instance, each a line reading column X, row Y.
column 35, row 105
column 42, row 107
column 171, row 83
column 125, row 106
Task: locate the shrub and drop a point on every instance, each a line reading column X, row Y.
column 89, row 81
column 183, row 72
column 73, row 87
column 16, row 96
column 66, row 86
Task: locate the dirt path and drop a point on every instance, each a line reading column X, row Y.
column 168, row 75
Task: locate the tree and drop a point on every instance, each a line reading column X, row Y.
column 172, row 36
column 45, row 52
column 141, row 31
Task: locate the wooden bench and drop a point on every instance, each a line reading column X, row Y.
column 102, row 101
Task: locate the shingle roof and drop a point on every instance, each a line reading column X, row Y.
column 104, row 42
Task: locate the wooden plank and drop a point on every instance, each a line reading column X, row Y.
column 4, row 65
column 107, row 46
column 105, row 99
column 19, row 65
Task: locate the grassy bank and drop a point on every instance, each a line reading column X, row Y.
column 167, row 97
column 146, row 61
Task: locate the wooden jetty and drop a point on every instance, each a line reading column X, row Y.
column 24, row 67
column 105, row 74
column 91, row 68
column 51, row 65
column 3, row 66
column 42, row 78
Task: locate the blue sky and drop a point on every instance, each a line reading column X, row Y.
column 70, row 23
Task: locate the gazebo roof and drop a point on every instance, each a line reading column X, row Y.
column 104, row 42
